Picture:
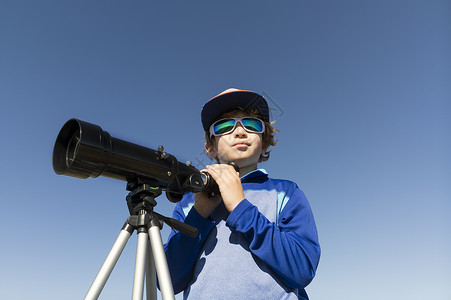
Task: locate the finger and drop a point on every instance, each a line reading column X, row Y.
column 222, row 168
column 224, row 179
column 214, row 172
column 218, row 171
column 218, row 175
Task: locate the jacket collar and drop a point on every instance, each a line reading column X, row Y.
column 255, row 174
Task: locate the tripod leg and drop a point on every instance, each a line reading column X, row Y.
column 110, row 262
column 151, row 276
column 140, row 264
column 160, row 262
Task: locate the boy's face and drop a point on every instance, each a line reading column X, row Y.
column 242, row 147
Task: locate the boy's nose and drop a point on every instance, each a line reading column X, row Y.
column 240, row 131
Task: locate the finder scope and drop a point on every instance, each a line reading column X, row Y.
column 84, row 150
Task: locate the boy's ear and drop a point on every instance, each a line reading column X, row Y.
column 211, row 151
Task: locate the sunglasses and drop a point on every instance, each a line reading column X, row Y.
column 225, row 126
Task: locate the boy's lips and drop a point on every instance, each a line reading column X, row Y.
column 241, row 144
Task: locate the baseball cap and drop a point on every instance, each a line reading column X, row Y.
column 231, row 99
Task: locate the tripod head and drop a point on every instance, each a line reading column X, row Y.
column 141, row 202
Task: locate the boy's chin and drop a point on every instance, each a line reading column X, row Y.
column 240, row 162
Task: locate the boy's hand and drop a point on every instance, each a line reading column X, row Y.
column 229, row 182
column 204, row 205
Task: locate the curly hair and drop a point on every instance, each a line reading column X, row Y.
column 267, row 136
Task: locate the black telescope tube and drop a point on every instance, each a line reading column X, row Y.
column 84, row 150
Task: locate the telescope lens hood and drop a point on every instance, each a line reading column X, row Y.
column 81, row 150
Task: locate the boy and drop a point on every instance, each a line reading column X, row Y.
column 258, row 238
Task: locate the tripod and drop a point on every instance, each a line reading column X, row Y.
column 147, row 223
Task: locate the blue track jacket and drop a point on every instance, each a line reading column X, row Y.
column 266, row 248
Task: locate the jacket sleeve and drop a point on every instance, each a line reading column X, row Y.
column 182, row 251
column 291, row 249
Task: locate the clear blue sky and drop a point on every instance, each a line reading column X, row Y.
column 360, row 91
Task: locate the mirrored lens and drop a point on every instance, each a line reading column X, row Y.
column 252, row 124
column 224, row 126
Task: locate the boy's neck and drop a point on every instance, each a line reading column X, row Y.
column 247, row 170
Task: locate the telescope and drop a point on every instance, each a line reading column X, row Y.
column 84, row 150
